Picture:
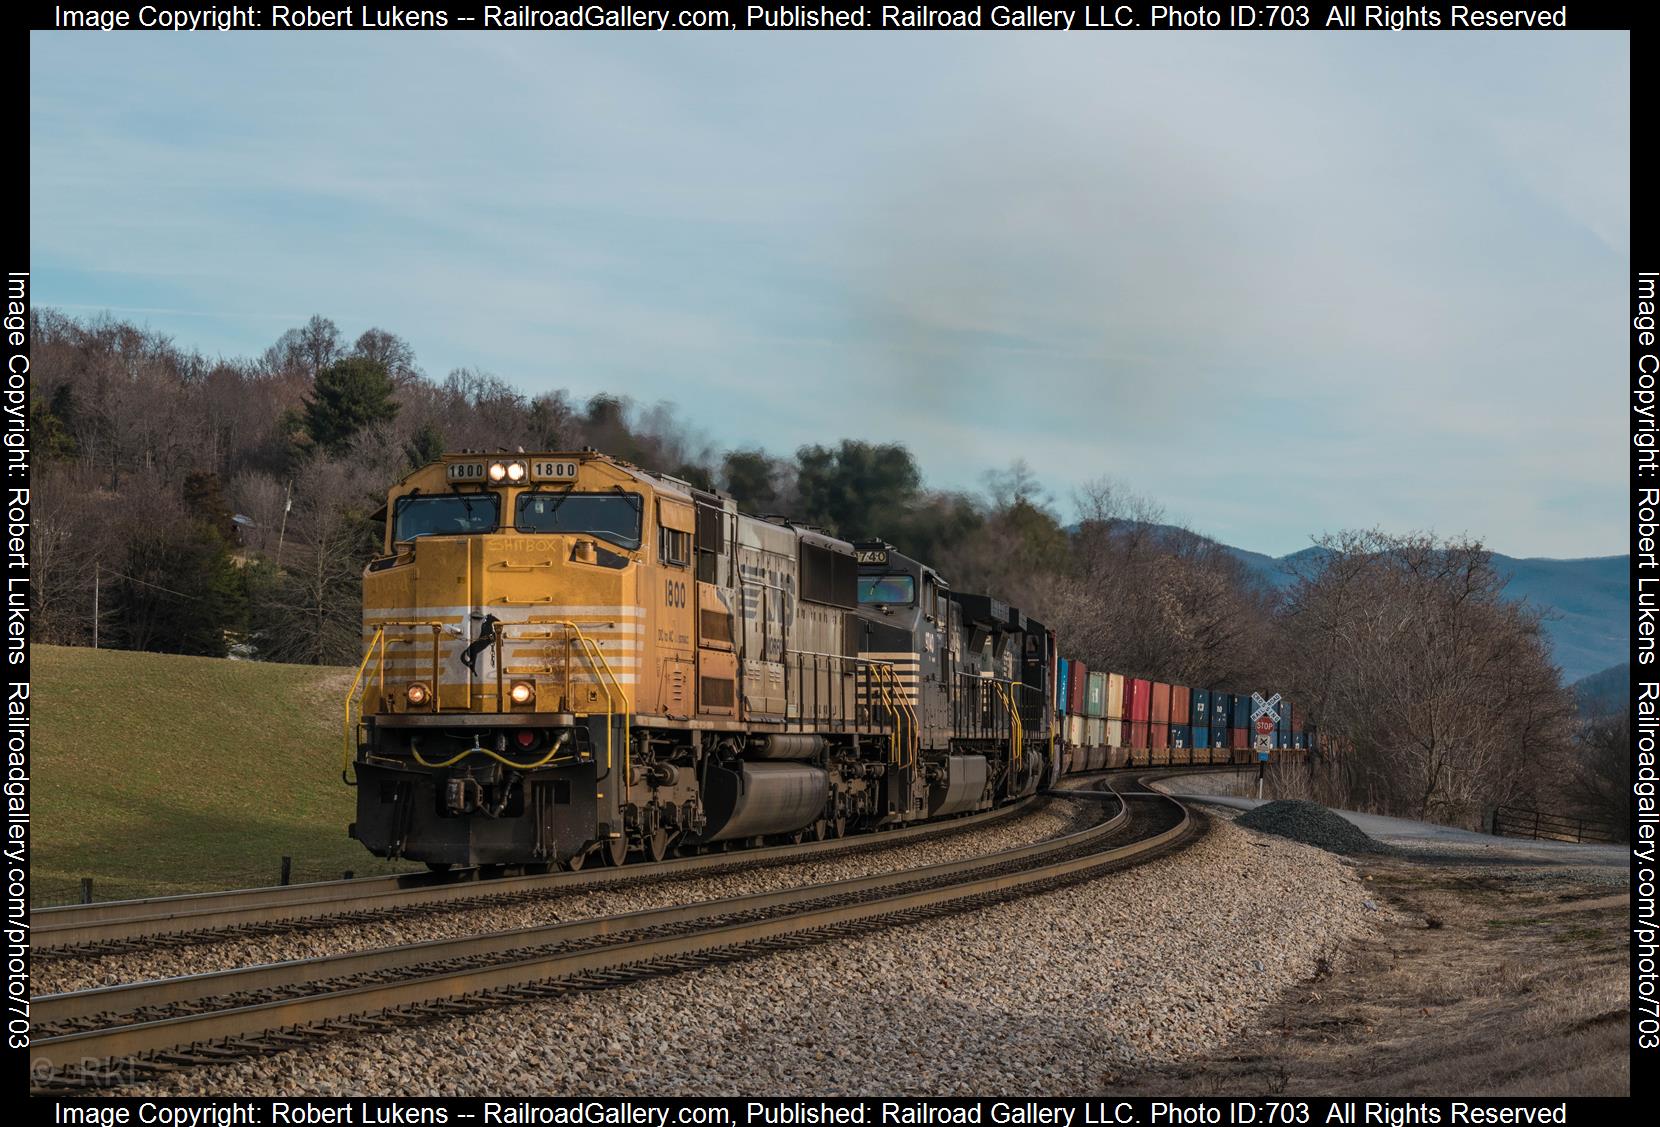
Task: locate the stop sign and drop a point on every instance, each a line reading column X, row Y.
column 1265, row 725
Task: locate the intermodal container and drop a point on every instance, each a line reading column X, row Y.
column 1138, row 733
column 1062, row 667
column 1221, row 712
column 1181, row 706
column 1201, row 737
column 1161, row 706
column 1095, row 697
column 1075, row 731
column 1181, row 735
column 1115, row 696
column 1115, row 732
column 1297, row 722
column 1239, row 739
column 1095, row 732
column 1158, row 735
column 1138, row 695
column 1198, row 714
column 1242, row 710
column 1075, row 691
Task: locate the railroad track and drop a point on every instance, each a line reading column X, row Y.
column 122, row 926
column 118, row 1034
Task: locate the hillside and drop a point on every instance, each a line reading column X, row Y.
column 1605, row 692
column 156, row 774
column 1588, row 600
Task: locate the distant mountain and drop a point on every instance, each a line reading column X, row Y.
column 1590, row 601
column 1604, row 692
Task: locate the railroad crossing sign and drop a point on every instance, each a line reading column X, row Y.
column 1265, row 708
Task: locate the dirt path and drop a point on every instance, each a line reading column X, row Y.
column 1482, row 979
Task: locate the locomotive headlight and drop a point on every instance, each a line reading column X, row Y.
column 522, row 692
column 417, row 694
column 515, row 471
column 497, row 471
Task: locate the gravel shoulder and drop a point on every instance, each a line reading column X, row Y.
column 1493, row 971
column 1052, row 994
column 1058, row 817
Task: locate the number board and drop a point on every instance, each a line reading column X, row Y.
column 466, row 471
column 871, row 555
column 543, row 469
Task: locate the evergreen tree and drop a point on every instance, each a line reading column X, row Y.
column 348, row 396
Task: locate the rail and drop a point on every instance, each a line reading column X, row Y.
column 154, row 1022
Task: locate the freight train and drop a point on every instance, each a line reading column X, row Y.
column 569, row 659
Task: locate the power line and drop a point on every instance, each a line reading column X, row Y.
column 157, row 586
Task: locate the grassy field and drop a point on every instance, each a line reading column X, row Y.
column 156, row 774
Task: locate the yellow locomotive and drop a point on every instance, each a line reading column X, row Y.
column 569, row 658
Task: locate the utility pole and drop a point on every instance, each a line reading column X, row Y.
column 287, row 503
column 97, row 583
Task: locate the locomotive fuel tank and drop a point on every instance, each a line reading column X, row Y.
column 964, row 786
column 754, row 799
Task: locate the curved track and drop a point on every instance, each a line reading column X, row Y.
column 155, row 1026
column 119, row 926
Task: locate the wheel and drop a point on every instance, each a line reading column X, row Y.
column 657, row 845
column 575, row 861
column 815, row 832
column 614, row 851
column 836, row 827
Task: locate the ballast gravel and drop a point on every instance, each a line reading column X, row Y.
column 1311, row 824
column 1051, row 820
column 1052, row 994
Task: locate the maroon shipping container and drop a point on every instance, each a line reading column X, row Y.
column 1138, row 734
column 1159, row 736
column 1181, row 704
column 1240, row 738
column 1161, row 705
column 1078, row 680
column 1296, row 723
column 1137, row 699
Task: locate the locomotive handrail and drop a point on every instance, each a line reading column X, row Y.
column 350, row 729
column 352, row 694
column 1017, row 730
column 906, row 731
column 597, row 663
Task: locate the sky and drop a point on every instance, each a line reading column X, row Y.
column 1277, row 283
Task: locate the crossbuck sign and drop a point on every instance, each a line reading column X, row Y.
column 1265, row 707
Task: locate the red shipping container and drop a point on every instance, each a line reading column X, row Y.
column 1138, row 734
column 1077, row 681
column 1240, row 738
column 1161, row 705
column 1160, row 735
column 1181, row 704
column 1138, row 699
column 1296, row 723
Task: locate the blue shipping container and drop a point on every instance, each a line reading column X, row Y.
column 1242, row 711
column 1201, row 737
column 1180, row 736
column 1221, row 711
column 1060, row 685
column 1201, row 709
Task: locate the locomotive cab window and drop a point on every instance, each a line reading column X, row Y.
column 610, row 516
column 674, row 547
column 887, row 590
column 445, row 514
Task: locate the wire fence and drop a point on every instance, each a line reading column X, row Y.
column 54, row 891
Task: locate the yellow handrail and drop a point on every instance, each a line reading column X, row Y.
column 907, row 735
column 351, row 694
column 1017, row 732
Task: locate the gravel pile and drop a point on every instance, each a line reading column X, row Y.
column 1311, row 824
column 1056, row 818
column 1053, row 994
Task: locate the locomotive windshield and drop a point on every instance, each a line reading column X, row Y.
column 610, row 516
column 889, row 590
column 445, row 514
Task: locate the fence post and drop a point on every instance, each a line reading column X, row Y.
column 287, row 869
column 86, row 890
